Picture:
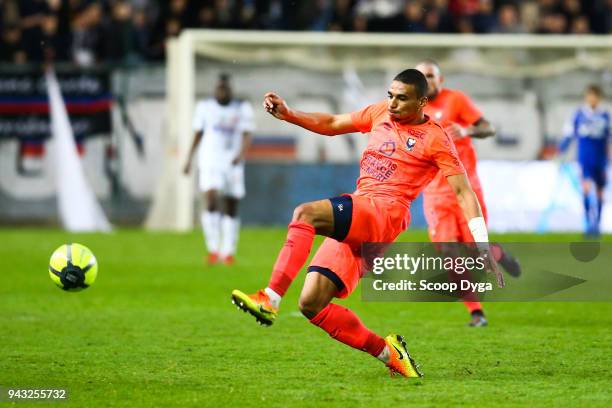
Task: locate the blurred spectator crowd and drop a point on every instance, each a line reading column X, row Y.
column 122, row 31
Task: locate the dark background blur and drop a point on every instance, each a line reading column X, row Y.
column 87, row 32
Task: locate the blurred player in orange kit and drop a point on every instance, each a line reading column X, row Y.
column 405, row 150
column 462, row 121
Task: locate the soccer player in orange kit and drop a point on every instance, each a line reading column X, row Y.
column 405, row 150
column 462, row 121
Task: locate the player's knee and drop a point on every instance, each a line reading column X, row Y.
column 310, row 306
column 212, row 203
column 304, row 212
column 231, row 207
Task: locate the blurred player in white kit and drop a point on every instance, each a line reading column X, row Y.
column 224, row 126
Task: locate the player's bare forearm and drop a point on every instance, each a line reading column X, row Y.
column 315, row 121
column 482, row 129
column 322, row 123
column 473, row 214
column 469, row 204
column 466, row 198
column 197, row 137
column 194, row 145
column 482, row 133
column 246, row 144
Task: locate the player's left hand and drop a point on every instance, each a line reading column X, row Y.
column 491, row 266
column 237, row 160
column 455, row 131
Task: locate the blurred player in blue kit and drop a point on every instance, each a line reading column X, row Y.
column 590, row 125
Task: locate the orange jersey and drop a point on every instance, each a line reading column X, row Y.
column 400, row 160
column 448, row 107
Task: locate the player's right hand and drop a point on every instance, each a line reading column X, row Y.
column 275, row 105
column 491, row 266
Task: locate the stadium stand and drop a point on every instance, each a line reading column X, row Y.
column 121, row 31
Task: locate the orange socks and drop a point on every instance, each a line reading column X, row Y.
column 473, row 306
column 292, row 256
column 344, row 326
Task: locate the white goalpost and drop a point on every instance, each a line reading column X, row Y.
column 310, row 64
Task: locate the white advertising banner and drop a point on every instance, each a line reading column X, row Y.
column 537, row 196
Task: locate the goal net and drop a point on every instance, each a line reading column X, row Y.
column 526, row 84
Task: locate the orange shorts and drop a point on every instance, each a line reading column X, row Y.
column 372, row 220
column 445, row 218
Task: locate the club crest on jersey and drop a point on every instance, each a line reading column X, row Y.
column 387, row 148
column 410, row 143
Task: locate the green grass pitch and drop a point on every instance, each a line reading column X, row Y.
column 157, row 329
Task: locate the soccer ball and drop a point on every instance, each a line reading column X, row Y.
column 73, row 267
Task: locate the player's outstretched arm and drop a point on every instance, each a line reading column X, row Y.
column 322, row 123
column 473, row 214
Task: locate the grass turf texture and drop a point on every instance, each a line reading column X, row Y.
column 158, row 329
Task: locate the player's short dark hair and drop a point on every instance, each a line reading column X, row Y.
column 415, row 78
column 595, row 89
